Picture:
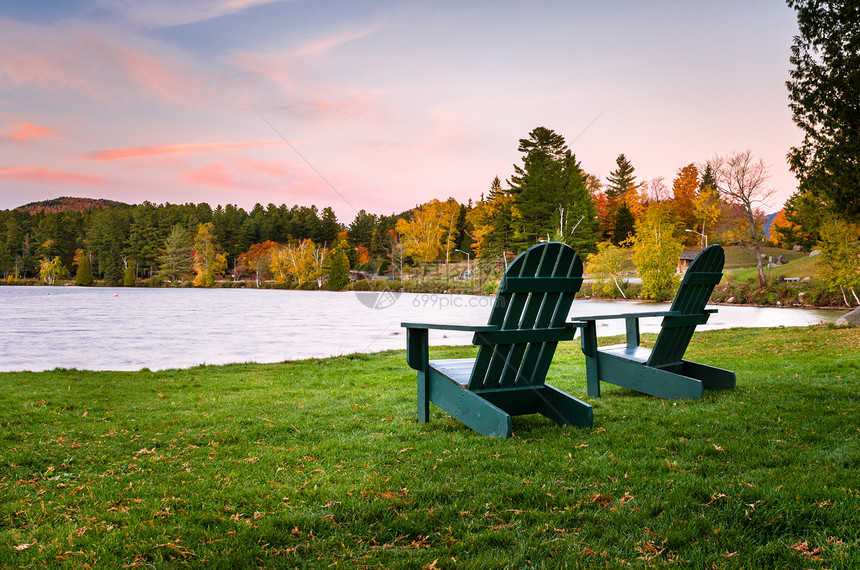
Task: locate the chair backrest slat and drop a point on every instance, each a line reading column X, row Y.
column 535, row 293
column 693, row 294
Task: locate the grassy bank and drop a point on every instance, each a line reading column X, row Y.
column 320, row 462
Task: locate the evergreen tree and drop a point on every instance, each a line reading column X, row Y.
column 621, row 179
column 84, row 274
column 361, row 230
column 129, row 278
column 625, row 224
column 327, row 228
column 338, row 271
column 824, row 94
column 491, row 220
column 550, row 195
column 175, row 262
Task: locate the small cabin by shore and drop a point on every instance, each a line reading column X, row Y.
column 685, row 259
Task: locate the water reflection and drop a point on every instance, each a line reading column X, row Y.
column 129, row 329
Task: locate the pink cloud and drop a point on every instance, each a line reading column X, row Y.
column 246, row 173
column 279, row 180
column 189, row 148
column 213, row 174
column 100, row 62
column 25, row 132
column 40, row 175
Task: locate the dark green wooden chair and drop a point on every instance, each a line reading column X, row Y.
column 515, row 349
column 661, row 371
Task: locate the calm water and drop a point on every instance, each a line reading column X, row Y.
column 42, row 328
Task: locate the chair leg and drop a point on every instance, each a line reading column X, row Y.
column 468, row 407
column 712, row 378
column 647, row 380
column 588, row 338
column 423, row 400
column 564, row 409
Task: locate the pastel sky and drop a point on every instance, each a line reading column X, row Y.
column 377, row 105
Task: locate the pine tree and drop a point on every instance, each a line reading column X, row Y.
column 550, row 194
column 621, row 179
column 625, row 224
column 84, row 273
column 175, row 262
column 338, row 271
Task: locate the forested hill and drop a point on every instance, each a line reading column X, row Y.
column 68, row 204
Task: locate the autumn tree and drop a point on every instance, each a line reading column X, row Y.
column 490, row 220
column 257, row 260
column 708, row 209
column 741, row 180
column 207, row 259
column 430, row 230
column 302, row 262
column 801, row 220
column 52, row 269
column 824, row 95
column 655, row 253
column 604, row 268
column 684, row 189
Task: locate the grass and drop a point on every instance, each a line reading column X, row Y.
column 744, row 257
column 320, row 463
column 799, row 267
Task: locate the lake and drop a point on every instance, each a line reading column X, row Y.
column 100, row 328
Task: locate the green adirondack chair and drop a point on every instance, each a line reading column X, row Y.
column 515, row 349
column 661, row 371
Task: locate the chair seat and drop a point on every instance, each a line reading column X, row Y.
column 636, row 354
column 457, row 369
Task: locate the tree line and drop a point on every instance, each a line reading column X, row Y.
column 549, row 196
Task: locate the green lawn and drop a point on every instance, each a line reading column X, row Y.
column 320, row 463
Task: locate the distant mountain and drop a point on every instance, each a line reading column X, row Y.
column 768, row 221
column 68, row 204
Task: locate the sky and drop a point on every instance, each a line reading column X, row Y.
column 377, row 105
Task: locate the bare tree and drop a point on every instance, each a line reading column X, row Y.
column 741, row 180
column 658, row 190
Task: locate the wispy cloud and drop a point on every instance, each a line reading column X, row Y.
column 40, row 175
column 190, row 148
column 106, row 64
column 25, row 132
column 166, row 13
column 244, row 173
column 324, row 45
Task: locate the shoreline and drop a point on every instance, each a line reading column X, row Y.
column 419, row 290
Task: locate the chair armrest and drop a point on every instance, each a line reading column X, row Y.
column 627, row 316
column 418, row 340
column 436, row 326
column 635, row 315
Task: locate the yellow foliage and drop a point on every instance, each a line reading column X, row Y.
column 302, row 262
column 431, row 229
column 209, row 261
